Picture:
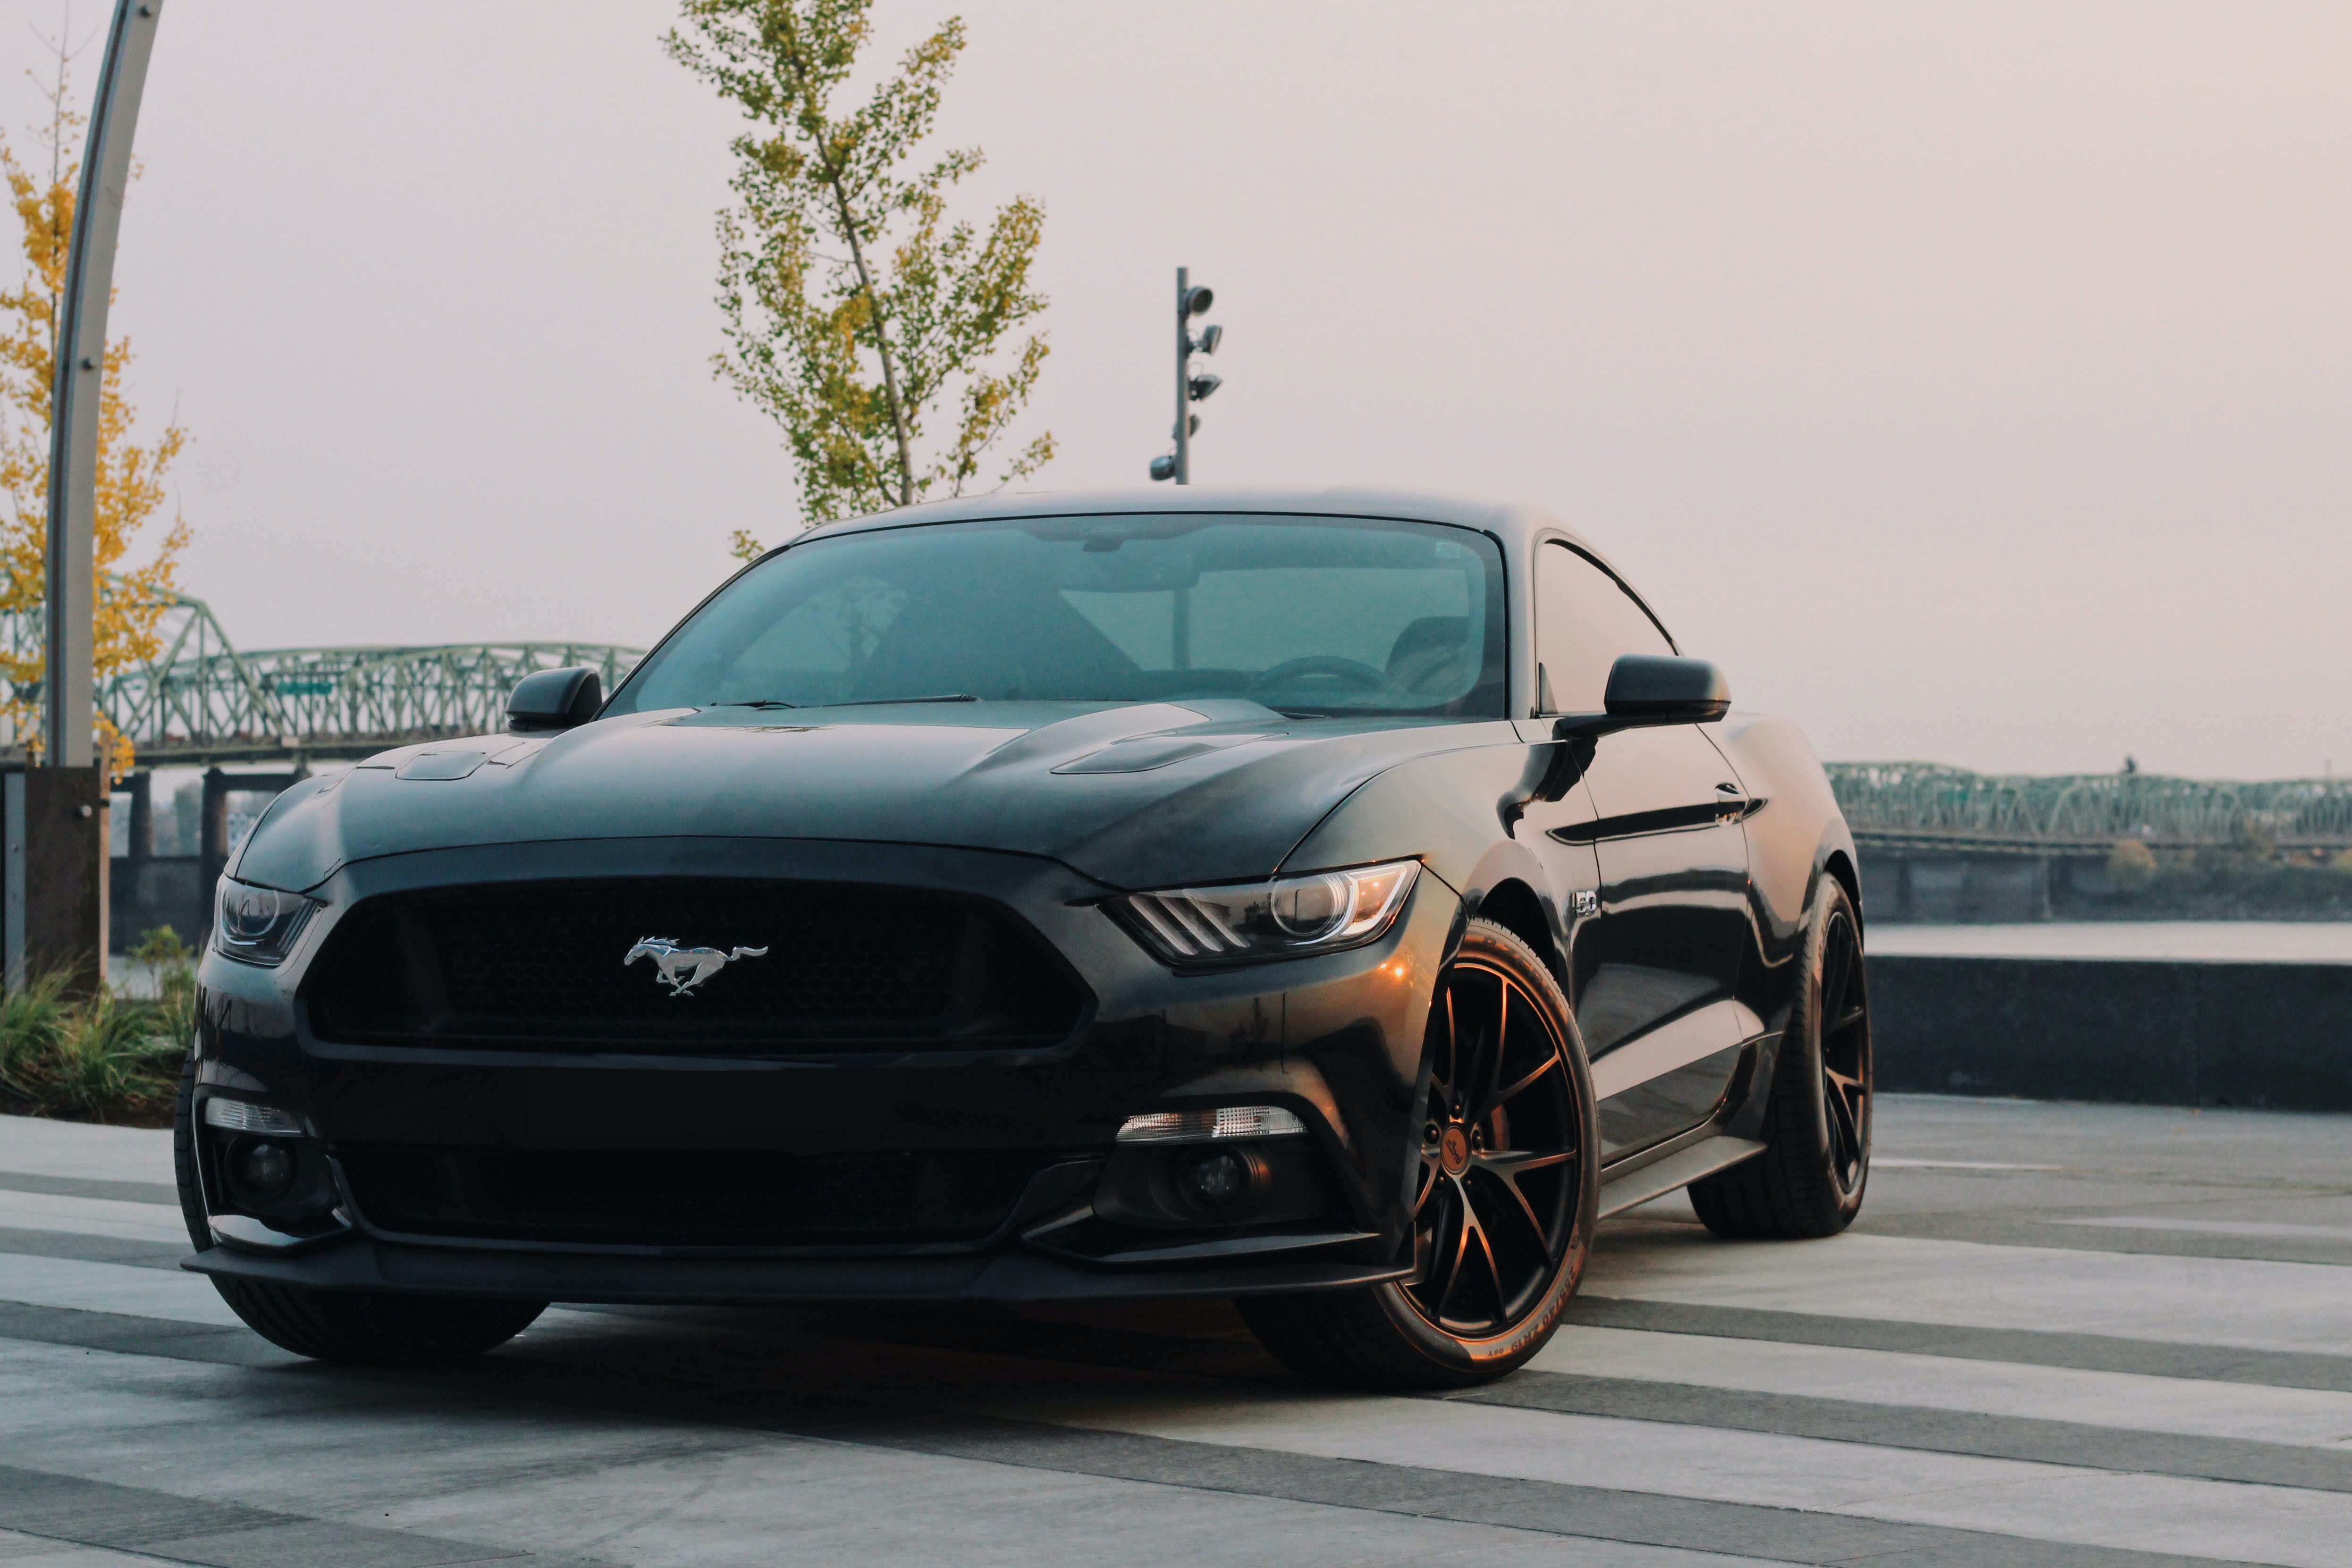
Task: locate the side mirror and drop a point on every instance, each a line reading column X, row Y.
column 1646, row 690
column 554, row 699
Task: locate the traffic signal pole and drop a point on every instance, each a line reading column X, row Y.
column 1183, row 377
column 1189, row 388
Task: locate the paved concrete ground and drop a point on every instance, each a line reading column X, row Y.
column 2062, row 1334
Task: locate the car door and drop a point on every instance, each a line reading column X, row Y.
column 1658, row 966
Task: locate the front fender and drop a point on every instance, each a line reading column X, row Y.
column 1450, row 809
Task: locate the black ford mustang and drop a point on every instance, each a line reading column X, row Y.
column 1335, row 901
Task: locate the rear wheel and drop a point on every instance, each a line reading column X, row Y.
column 1502, row 1211
column 362, row 1327
column 1809, row 1180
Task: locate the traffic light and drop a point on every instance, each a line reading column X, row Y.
column 1191, row 301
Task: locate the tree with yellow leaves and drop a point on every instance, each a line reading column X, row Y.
column 853, row 308
column 133, row 594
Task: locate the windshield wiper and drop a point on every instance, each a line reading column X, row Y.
column 886, row 701
column 863, row 702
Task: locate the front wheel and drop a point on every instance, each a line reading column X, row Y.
column 1808, row 1180
column 376, row 1328
column 356, row 1326
column 1504, row 1201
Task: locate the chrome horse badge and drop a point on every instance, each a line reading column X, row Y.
column 684, row 968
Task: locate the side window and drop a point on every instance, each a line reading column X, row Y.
column 1584, row 620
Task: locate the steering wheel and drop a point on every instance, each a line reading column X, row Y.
column 1353, row 671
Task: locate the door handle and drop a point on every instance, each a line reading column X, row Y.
column 1730, row 804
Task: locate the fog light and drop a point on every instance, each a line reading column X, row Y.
column 265, row 1171
column 1202, row 1126
column 1226, row 1183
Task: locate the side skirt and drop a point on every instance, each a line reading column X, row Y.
column 1659, row 1177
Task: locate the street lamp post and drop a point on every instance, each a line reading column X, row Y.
column 57, row 869
column 1189, row 388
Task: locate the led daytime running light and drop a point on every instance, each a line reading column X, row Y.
column 244, row 1116
column 1291, row 915
column 1208, row 1126
column 258, row 925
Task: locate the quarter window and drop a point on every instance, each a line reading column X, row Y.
column 1584, row 621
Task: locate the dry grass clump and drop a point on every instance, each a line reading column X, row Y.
column 107, row 1058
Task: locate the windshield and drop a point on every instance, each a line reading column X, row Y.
column 1305, row 615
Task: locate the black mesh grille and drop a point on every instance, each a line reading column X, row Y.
column 846, row 968
column 685, row 1198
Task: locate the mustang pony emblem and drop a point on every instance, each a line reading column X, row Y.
column 684, row 968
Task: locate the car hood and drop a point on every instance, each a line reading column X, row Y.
column 1134, row 795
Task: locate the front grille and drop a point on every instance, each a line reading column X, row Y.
column 685, row 1197
column 539, row 965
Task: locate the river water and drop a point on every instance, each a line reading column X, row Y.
column 2211, row 941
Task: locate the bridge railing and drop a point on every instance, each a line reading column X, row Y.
column 1924, row 800
column 201, row 700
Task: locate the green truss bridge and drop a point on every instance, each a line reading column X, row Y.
column 1928, row 805
column 203, row 702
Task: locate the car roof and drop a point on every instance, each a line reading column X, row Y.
column 1513, row 524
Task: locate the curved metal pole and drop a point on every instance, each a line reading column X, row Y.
column 68, row 685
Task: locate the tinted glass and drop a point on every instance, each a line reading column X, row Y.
column 1584, row 620
column 1305, row 614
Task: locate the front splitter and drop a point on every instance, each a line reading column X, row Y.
column 364, row 1263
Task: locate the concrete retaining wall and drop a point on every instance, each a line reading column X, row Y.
column 2156, row 1033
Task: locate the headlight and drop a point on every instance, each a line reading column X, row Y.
column 1287, row 918
column 258, row 925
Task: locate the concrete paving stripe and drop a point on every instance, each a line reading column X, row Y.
column 93, row 1248
column 2305, row 1307
column 21, row 1551
column 38, row 1146
column 2126, row 1401
column 2080, row 1507
column 1886, row 1163
column 86, row 1187
column 621, row 1379
column 176, row 1297
column 157, row 1524
column 1588, row 1513
column 1739, row 1532
column 92, row 1216
column 1930, row 1430
column 124, row 1335
column 2213, row 1226
column 2023, row 1347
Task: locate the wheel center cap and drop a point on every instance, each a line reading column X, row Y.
column 1453, row 1151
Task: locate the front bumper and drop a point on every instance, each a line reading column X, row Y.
column 1337, row 1038
column 1012, row 1274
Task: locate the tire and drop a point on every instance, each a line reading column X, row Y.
column 184, row 1157
column 357, row 1327
column 369, row 1328
column 1809, row 1180
column 1505, row 1198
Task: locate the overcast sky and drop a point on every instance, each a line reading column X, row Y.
column 1971, row 380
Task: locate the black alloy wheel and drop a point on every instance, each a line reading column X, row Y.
column 1809, row 1180
column 1505, row 1184
column 1846, row 1053
column 1498, row 1157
